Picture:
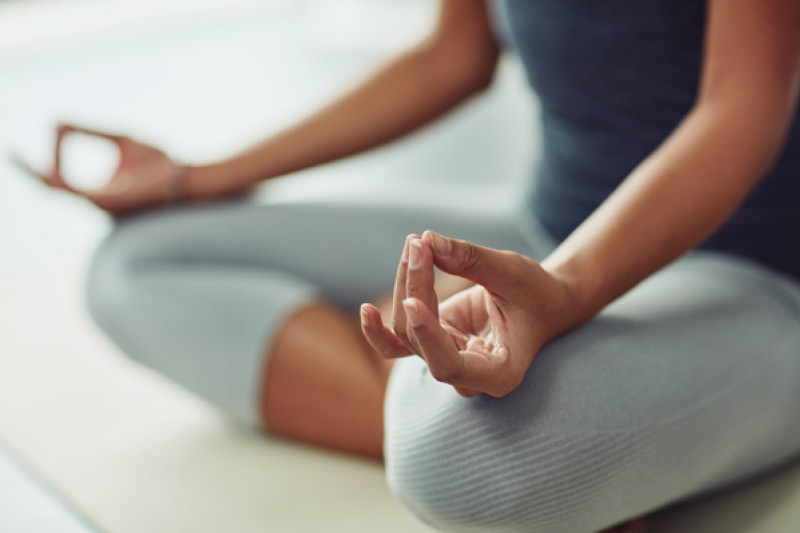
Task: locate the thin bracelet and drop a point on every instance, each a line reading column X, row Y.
column 178, row 187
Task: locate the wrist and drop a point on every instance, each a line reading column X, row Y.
column 577, row 289
column 177, row 184
column 197, row 178
column 572, row 309
column 205, row 182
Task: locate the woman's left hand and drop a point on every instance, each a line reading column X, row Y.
column 482, row 339
column 145, row 176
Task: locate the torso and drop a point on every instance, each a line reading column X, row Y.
column 614, row 78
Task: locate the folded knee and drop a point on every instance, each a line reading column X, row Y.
column 111, row 283
column 482, row 464
column 467, row 484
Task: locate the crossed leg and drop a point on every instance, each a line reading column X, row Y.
column 324, row 384
column 253, row 307
column 686, row 385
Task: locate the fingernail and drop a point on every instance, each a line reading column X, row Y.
column 415, row 254
column 412, row 311
column 404, row 255
column 442, row 245
column 365, row 315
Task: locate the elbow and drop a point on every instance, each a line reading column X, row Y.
column 466, row 65
column 483, row 77
column 479, row 63
column 474, row 71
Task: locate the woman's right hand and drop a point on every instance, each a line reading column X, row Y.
column 484, row 338
column 145, row 176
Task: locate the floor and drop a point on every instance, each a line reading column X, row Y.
column 28, row 505
column 89, row 441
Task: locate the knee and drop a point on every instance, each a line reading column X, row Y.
column 452, row 484
column 466, row 465
column 110, row 280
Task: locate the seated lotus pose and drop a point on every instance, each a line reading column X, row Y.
column 628, row 338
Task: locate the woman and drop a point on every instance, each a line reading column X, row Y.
column 616, row 376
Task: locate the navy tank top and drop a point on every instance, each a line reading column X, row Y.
column 614, row 78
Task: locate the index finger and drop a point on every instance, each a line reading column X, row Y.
column 28, row 169
column 435, row 346
column 420, row 278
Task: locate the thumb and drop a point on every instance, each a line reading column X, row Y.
column 497, row 270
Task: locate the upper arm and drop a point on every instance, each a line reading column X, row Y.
column 464, row 40
column 751, row 65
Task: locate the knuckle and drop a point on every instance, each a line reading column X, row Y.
column 411, row 285
column 422, row 332
column 470, row 257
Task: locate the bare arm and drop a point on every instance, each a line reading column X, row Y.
column 674, row 200
column 689, row 186
column 454, row 63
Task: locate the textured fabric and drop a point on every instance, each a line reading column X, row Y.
column 685, row 385
column 614, row 78
column 198, row 293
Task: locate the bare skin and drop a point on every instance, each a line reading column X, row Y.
column 324, row 385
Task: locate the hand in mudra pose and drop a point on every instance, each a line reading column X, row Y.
column 145, row 176
column 482, row 339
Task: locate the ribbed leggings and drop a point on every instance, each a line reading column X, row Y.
column 688, row 383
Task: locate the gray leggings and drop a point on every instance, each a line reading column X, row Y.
column 689, row 383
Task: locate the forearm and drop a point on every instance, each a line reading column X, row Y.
column 691, row 184
column 672, row 202
column 418, row 87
